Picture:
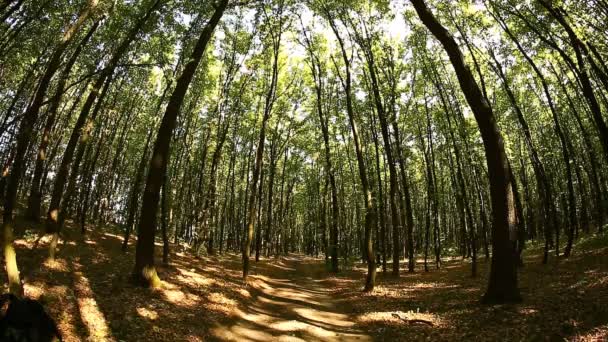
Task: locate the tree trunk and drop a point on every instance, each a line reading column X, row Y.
column 388, row 149
column 381, row 238
column 269, row 103
column 24, row 135
column 144, row 272
column 502, row 285
column 370, row 215
column 106, row 74
column 164, row 212
column 579, row 48
column 318, row 73
column 33, row 209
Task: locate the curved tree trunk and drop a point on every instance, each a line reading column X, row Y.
column 33, row 208
column 24, row 135
column 52, row 220
column 144, row 272
column 502, row 285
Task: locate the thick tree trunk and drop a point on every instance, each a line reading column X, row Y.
column 144, row 272
column 164, row 214
column 502, row 285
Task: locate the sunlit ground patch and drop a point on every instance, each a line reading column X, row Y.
column 59, row 265
column 220, row 298
column 399, row 317
column 244, row 293
column 597, row 334
column 188, row 276
column 147, row 313
column 90, row 313
column 175, row 295
column 527, row 311
column 326, row 318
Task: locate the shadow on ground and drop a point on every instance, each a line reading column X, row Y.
column 294, row 298
column 87, row 290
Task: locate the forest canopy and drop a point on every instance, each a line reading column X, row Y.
column 360, row 131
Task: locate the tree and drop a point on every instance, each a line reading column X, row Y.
column 275, row 32
column 370, row 213
column 318, row 74
column 26, row 128
column 502, row 285
column 144, row 272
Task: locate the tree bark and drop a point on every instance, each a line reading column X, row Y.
column 370, row 214
column 24, row 135
column 269, row 103
column 33, row 209
column 365, row 43
column 502, row 287
column 318, row 74
column 107, row 73
column 144, row 272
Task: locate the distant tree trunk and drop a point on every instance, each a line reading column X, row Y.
column 502, row 285
column 281, row 218
column 61, row 212
column 210, row 198
column 592, row 171
column 434, row 195
column 381, row 238
column 407, row 211
column 21, row 92
column 318, row 73
column 88, row 181
column 270, row 194
column 229, row 203
column 144, row 272
column 429, row 180
column 11, row 10
column 258, row 232
column 580, row 49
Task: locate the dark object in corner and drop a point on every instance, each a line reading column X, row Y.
column 24, row 320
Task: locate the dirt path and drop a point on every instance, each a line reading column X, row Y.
column 289, row 302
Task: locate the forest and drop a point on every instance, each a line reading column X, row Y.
column 312, row 170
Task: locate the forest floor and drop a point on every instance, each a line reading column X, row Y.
column 293, row 298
